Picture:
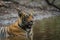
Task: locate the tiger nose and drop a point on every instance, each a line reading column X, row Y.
column 31, row 22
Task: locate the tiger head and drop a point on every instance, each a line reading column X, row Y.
column 26, row 20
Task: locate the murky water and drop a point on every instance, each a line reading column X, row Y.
column 47, row 26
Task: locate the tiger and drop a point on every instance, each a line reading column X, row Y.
column 21, row 27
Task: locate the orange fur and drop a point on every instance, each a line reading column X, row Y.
column 15, row 30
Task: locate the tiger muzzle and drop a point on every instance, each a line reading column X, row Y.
column 30, row 24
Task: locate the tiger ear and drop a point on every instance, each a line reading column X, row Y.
column 31, row 12
column 20, row 13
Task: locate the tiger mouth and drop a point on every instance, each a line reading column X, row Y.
column 26, row 25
